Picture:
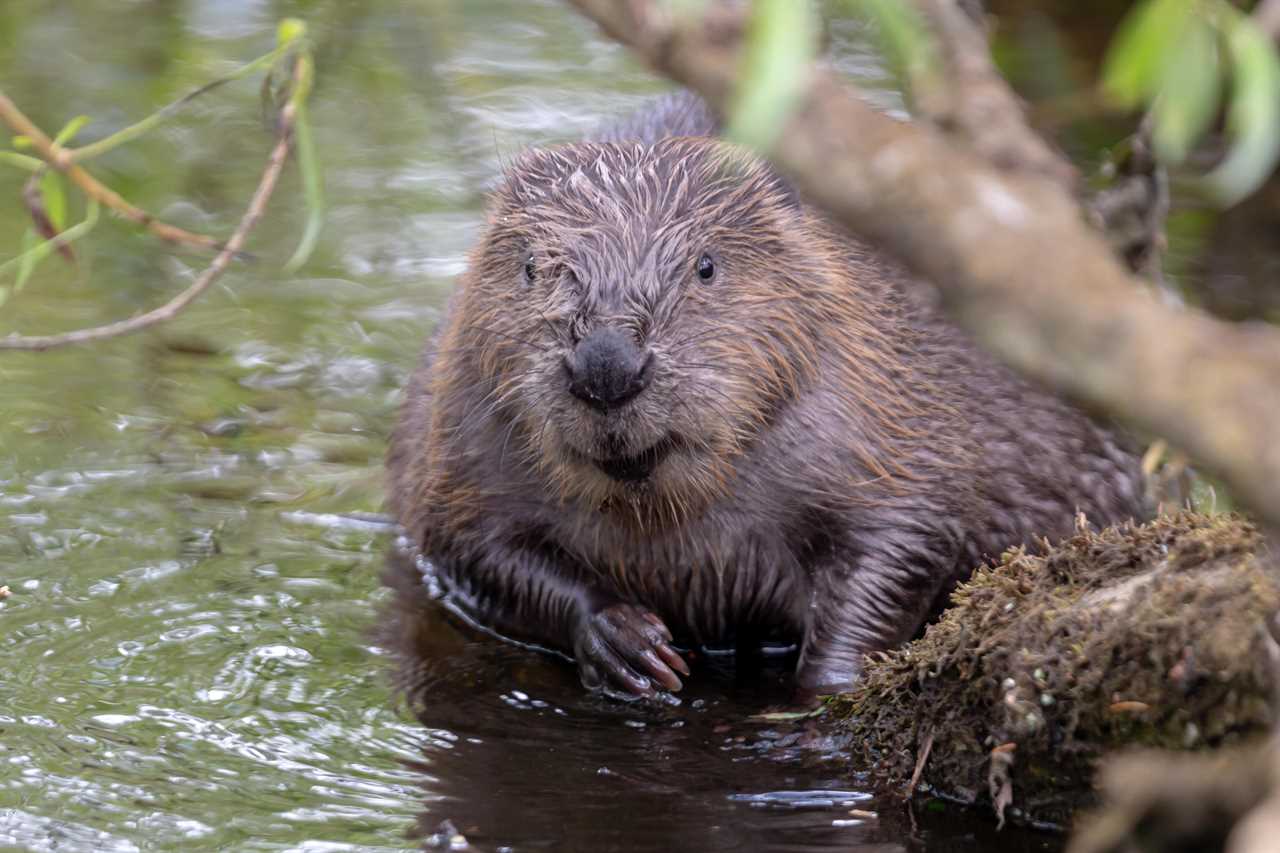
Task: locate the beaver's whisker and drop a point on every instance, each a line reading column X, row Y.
column 515, row 422
column 470, row 347
column 693, row 415
column 555, row 333
column 508, row 336
column 541, row 432
column 493, row 399
column 702, row 337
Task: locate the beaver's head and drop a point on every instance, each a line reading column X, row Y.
column 640, row 313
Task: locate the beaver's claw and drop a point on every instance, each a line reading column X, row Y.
column 627, row 648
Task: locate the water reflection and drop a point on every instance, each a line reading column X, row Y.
column 517, row 756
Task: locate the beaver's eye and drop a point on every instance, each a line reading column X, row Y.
column 706, row 268
column 530, row 272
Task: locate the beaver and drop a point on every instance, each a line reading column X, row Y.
column 671, row 404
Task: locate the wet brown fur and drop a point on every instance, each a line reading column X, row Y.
column 843, row 455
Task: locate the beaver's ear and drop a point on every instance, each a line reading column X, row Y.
column 748, row 174
column 537, row 171
column 519, row 180
column 765, row 181
column 781, row 189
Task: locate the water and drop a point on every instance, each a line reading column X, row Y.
column 198, row 651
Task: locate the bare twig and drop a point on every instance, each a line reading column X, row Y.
column 1131, row 211
column 1014, row 260
column 921, row 760
column 133, row 131
column 62, row 159
column 227, row 253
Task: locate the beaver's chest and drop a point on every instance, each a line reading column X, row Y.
column 714, row 583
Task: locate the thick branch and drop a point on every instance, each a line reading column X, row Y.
column 1014, row 260
column 1267, row 16
column 967, row 96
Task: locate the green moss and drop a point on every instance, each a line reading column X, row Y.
column 1135, row 635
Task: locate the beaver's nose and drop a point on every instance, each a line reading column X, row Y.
column 607, row 369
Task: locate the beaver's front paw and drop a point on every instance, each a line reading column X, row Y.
column 624, row 647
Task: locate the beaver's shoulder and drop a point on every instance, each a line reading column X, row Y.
column 662, row 117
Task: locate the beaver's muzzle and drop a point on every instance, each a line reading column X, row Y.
column 606, row 369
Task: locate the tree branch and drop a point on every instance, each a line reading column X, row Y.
column 1013, row 259
column 1267, row 16
column 226, row 254
column 63, row 160
column 968, row 97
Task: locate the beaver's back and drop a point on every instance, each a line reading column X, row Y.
column 674, row 114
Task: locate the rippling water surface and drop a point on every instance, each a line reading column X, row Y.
column 198, row 651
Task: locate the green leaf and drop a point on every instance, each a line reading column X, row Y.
column 781, row 43
column 22, row 161
column 54, row 199
column 22, row 143
column 69, row 131
column 133, row 131
column 903, row 37
column 1253, row 114
column 312, row 187
column 34, row 250
column 290, row 30
column 1188, row 100
column 28, row 258
column 1143, row 49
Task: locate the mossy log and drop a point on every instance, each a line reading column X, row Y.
column 1150, row 635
